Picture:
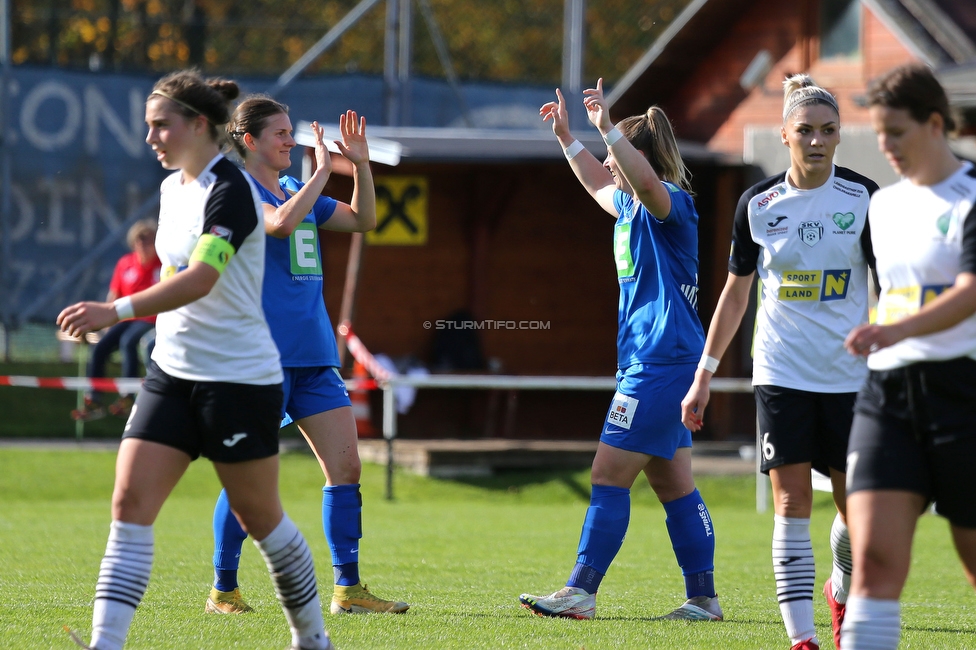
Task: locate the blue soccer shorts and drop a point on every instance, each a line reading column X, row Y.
column 645, row 414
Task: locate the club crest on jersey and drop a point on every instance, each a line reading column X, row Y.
column 221, row 232
column 622, row 410
column 811, row 232
column 942, row 223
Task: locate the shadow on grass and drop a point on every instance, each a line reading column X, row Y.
column 524, row 612
column 947, row 630
column 575, row 481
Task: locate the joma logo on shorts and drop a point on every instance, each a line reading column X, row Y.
column 234, row 439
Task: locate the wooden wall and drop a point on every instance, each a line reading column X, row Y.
column 711, row 107
column 520, row 241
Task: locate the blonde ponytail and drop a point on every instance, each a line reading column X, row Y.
column 652, row 134
column 800, row 90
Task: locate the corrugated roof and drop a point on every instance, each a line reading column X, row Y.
column 491, row 145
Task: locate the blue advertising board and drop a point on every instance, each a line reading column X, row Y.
column 81, row 171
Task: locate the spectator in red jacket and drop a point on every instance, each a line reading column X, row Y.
column 134, row 272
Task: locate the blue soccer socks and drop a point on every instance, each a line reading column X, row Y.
column 228, row 539
column 342, row 508
column 604, row 529
column 693, row 540
column 342, row 520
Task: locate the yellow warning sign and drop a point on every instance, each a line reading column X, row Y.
column 401, row 211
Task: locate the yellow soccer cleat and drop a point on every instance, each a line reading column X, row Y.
column 226, row 602
column 358, row 600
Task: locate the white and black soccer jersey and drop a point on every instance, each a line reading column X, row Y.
column 222, row 336
column 924, row 237
column 812, row 250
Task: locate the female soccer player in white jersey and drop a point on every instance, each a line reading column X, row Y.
column 315, row 394
column 914, row 435
column 805, row 233
column 643, row 184
column 213, row 387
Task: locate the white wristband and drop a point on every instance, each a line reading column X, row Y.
column 612, row 136
column 708, row 363
column 123, row 308
column 573, row 150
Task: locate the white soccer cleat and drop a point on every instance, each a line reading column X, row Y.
column 568, row 602
column 699, row 608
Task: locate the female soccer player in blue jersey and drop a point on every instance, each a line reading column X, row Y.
column 643, row 184
column 315, row 394
column 213, row 387
column 804, row 232
column 913, row 440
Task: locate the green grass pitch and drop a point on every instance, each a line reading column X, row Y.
column 459, row 552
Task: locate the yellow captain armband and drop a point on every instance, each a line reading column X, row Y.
column 213, row 251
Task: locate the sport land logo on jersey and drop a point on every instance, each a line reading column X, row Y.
column 823, row 286
column 622, row 410
column 811, row 232
column 898, row 303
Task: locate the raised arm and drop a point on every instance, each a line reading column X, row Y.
column 631, row 162
column 359, row 215
column 594, row 177
column 280, row 222
column 725, row 321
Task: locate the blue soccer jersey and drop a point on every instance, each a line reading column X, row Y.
column 657, row 269
column 292, row 297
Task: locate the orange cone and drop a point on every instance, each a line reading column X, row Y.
column 360, row 404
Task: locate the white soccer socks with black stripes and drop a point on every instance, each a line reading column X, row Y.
column 794, row 571
column 122, row 580
column 840, row 546
column 293, row 575
column 871, row 624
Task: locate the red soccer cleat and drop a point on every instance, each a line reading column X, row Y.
column 806, row 645
column 837, row 611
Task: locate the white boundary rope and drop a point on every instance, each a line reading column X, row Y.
column 389, row 381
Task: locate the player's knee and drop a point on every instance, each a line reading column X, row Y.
column 352, row 470
column 668, row 489
column 794, row 503
column 882, row 571
column 129, row 507
column 346, row 471
column 259, row 522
